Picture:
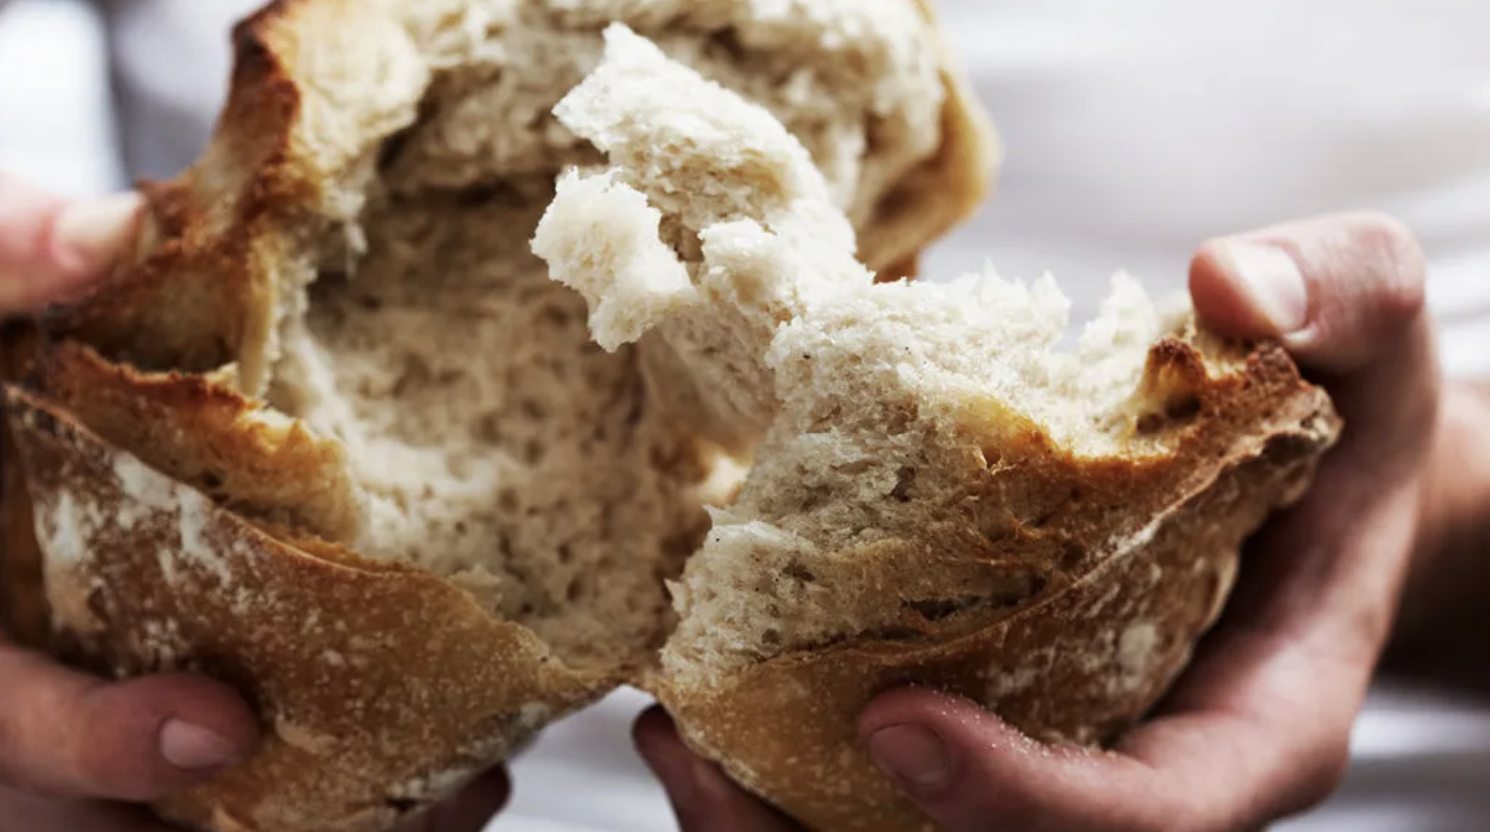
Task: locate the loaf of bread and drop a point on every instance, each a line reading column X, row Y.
column 498, row 354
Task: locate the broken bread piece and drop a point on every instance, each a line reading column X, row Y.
column 708, row 231
column 331, row 435
column 939, row 495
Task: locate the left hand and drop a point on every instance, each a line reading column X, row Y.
column 76, row 752
column 1259, row 726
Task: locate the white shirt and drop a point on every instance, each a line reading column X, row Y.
column 1134, row 131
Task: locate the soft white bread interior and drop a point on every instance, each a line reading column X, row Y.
column 709, row 230
column 937, row 484
column 332, row 433
column 492, row 443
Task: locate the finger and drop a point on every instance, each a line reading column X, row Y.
column 970, row 772
column 26, row 812
column 471, row 810
column 1365, row 325
column 67, row 734
column 1330, row 287
column 1213, row 772
column 1291, row 662
column 1259, row 726
column 1280, row 681
column 52, row 249
column 703, row 798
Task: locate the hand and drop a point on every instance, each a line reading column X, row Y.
column 75, row 751
column 1259, row 726
column 53, row 249
column 80, row 753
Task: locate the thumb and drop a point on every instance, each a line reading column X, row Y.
column 1345, row 294
column 1335, row 289
column 66, row 734
column 969, row 771
column 52, row 249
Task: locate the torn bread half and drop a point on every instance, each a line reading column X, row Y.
column 938, row 495
column 332, row 435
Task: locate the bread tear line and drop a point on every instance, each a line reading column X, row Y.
column 936, row 495
column 884, row 407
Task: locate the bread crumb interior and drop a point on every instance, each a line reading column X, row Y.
column 492, row 441
column 895, row 416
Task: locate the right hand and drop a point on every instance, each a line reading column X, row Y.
column 1258, row 728
column 82, row 753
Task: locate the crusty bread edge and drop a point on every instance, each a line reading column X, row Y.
column 946, row 190
column 400, row 679
column 1080, row 663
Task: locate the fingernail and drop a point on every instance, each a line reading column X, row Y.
column 1273, row 279
column 195, row 748
column 89, row 233
column 912, row 755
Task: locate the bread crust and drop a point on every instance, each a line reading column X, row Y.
column 1157, row 554
column 398, row 686
column 194, row 275
column 944, row 191
column 380, row 688
column 383, row 688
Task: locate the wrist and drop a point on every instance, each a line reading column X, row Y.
column 1444, row 617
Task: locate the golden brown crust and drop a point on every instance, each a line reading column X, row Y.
column 23, row 609
column 380, row 688
column 1138, row 569
column 944, row 191
column 197, row 288
column 206, row 436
